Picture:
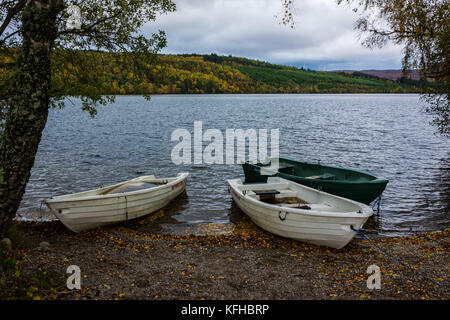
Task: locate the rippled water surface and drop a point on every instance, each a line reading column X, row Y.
column 385, row 134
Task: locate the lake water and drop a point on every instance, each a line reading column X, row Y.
column 388, row 135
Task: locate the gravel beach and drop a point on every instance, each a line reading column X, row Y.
column 127, row 262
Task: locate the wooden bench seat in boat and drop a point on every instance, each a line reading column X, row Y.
column 286, row 194
column 325, row 176
column 266, row 192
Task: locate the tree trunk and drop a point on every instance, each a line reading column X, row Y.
column 28, row 106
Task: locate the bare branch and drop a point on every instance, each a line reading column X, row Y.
column 12, row 12
column 90, row 27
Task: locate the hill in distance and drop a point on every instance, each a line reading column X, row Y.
column 254, row 76
column 195, row 73
column 392, row 74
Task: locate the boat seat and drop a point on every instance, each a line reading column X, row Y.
column 130, row 187
column 266, row 192
column 286, row 194
column 325, row 176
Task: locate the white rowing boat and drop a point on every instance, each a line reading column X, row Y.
column 291, row 210
column 113, row 204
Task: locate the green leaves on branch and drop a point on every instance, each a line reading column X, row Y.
column 422, row 27
column 106, row 26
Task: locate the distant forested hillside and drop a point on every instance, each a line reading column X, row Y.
column 392, row 74
column 193, row 73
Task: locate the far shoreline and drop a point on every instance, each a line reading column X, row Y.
column 268, row 93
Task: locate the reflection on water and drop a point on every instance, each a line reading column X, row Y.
column 388, row 135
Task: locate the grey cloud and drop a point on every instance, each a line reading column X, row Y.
column 323, row 36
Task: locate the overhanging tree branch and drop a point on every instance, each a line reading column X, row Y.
column 90, row 28
column 11, row 13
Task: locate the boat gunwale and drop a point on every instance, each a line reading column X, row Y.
column 182, row 176
column 366, row 210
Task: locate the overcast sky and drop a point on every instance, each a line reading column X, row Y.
column 323, row 37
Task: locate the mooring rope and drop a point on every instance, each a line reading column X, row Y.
column 364, row 236
column 434, row 240
column 377, row 204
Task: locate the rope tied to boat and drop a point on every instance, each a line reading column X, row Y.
column 390, row 255
column 377, row 204
column 444, row 245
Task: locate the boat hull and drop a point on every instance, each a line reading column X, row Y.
column 85, row 213
column 355, row 185
column 331, row 230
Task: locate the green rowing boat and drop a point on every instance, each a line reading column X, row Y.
column 347, row 183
